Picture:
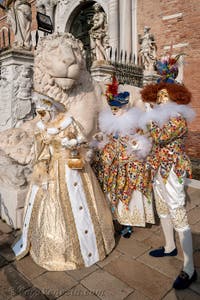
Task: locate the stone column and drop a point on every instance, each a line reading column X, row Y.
column 134, row 28
column 15, row 105
column 113, row 24
column 125, row 26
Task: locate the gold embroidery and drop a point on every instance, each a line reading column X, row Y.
column 179, row 218
column 161, row 206
column 134, row 218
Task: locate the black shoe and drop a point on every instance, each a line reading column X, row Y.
column 126, row 232
column 161, row 252
column 183, row 281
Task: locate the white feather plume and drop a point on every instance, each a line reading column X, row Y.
column 123, row 125
column 164, row 112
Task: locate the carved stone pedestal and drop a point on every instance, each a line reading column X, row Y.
column 102, row 71
column 12, row 205
column 15, row 87
column 15, row 107
column 150, row 77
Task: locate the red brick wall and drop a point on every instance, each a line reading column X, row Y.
column 182, row 30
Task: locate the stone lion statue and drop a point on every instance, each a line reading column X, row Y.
column 59, row 73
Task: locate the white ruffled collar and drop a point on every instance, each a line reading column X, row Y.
column 164, row 112
column 123, row 125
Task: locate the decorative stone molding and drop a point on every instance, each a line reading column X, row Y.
column 150, row 77
column 15, row 87
column 65, row 11
column 101, row 71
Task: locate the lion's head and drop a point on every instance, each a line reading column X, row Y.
column 60, row 73
column 59, row 65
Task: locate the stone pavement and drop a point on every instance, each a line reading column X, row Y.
column 127, row 273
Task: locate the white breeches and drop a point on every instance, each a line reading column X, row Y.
column 170, row 200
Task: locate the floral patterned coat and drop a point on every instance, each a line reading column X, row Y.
column 167, row 125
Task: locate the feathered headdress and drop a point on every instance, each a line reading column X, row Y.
column 167, row 67
column 112, row 89
column 113, row 97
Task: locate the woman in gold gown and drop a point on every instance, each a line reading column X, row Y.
column 67, row 223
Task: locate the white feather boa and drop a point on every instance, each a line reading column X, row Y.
column 164, row 112
column 123, row 125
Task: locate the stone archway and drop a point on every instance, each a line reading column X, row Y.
column 79, row 24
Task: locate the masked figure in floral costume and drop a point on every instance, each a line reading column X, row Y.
column 67, row 222
column 169, row 164
column 120, row 168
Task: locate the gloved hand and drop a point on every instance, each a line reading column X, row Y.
column 148, row 107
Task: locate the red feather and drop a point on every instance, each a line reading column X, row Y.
column 112, row 88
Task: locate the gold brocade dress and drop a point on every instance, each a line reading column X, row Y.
column 67, row 222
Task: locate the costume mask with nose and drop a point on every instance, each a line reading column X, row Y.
column 119, row 103
column 162, row 97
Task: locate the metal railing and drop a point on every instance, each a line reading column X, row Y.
column 128, row 68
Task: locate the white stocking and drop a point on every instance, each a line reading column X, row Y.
column 168, row 231
column 187, row 248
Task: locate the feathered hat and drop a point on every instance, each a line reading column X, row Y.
column 113, row 97
column 167, row 67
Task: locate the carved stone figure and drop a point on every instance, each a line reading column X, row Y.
column 22, row 91
column 148, row 49
column 15, row 95
column 61, row 74
column 19, row 17
column 16, row 153
column 98, row 34
column 23, row 84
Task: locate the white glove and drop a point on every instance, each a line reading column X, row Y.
column 68, row 143
column 81, row 140
column 135, row 146
column 89, row 155
column 64, row 142
column 148, row 107
column 72, row 142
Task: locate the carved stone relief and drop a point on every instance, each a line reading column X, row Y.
column 22, row 93
column 5, row 98
column 15, row 91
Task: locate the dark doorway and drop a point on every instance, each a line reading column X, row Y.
column 80, row 26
